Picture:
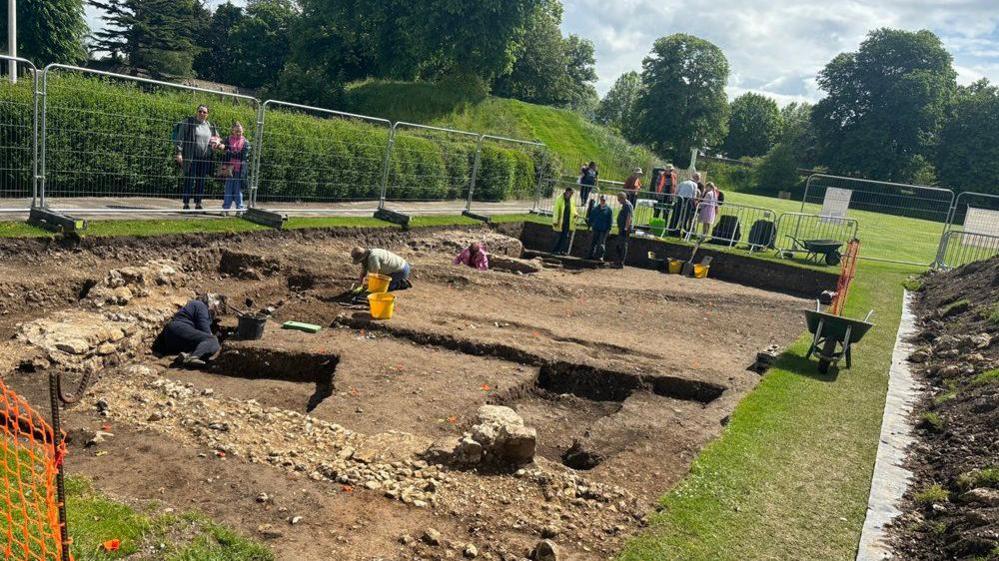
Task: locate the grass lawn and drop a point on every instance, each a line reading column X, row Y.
column 882, row 236
column 790, row 476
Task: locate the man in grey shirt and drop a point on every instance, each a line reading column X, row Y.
column 194, row 140
column 685, row 204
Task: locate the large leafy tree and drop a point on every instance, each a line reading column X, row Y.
column 968, row 157
column 885, row 104
column 261, row 42
column 798, row 133
column 617, row 108
column 217, row 56
column 683, row 104
column 49, row 31
column 401, row 39
column 550, row 69
column 754, row 126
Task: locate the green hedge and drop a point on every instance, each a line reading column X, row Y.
column 109, row 138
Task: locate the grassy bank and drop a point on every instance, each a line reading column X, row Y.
column 790, row 477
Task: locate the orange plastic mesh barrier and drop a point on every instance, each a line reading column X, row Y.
column 29, row 510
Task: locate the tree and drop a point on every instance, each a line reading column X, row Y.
column 113, row 38
column 754, row 126
column 49, row 31
column 538, row 74
column 798, row 133
column 400, row 39
column 215, row 61
column 683, row 103
column 580, row 74
column 261, row 42
column 968, row 156
column 549, row 69
column 778, row 170
column 155, row 35
column 885, row 105
column 617, row 108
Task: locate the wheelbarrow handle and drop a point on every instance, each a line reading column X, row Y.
column 868, row 317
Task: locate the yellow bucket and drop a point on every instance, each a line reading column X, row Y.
column 700, row 271
column 675, row 266
column 378, row 283
column 382, row 305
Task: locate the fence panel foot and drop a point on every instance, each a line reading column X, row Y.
column 474, row 216
column 265, row 218
column 393, row 217
column 55, row 222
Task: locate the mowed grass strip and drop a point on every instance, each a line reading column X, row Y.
column 790, row 476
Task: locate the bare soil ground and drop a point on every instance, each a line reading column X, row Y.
column 952, row 508
column 625, row 374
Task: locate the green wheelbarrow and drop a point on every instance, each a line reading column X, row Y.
column 816, row 250
column 834, row 336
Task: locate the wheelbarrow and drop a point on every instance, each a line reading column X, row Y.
column 817, row 250
column 831, row 332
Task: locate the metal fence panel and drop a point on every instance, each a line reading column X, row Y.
column 18, row 135
column 736, row 224
column 429, row 164
column 492, row 182
column 889, row 210
column 346, row 154
column 794, row 228
column 108, row 136
column 959, row 248
column 975, row 212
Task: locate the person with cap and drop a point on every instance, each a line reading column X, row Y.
column 600, row 219
column 191, row 333
column 564, row 217
column 382, row 262
column 474, row 256
column 625, row 217
column 633, row 185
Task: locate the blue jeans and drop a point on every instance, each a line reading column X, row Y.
column 195, row 178
column 400, row 279
column 233, row 193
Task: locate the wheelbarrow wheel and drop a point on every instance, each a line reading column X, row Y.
column 833, row 258
column 827, row 351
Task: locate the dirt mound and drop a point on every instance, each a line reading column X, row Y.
column 951, row 506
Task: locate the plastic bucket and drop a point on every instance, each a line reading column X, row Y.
column 250, row 328
column 378, row 283
column 675, row 266
column 382, row 305
column 700, row 271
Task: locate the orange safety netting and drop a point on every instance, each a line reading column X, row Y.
column 29, row 510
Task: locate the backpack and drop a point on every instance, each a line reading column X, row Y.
column 762, row 234
column 727, row 231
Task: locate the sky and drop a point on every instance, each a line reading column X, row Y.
column 775, row 47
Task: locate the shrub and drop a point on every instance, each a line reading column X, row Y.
column 987, row 477
column 113, row 138
column 931, row 421
column 932, row 495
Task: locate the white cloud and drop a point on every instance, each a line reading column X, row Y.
column 776, row 47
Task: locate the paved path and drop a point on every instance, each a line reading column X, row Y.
column 133, row 208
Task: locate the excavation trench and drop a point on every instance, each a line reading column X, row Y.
column 257, row 363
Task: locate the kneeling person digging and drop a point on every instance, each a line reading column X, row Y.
column 192, row 332
column 383, row 262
